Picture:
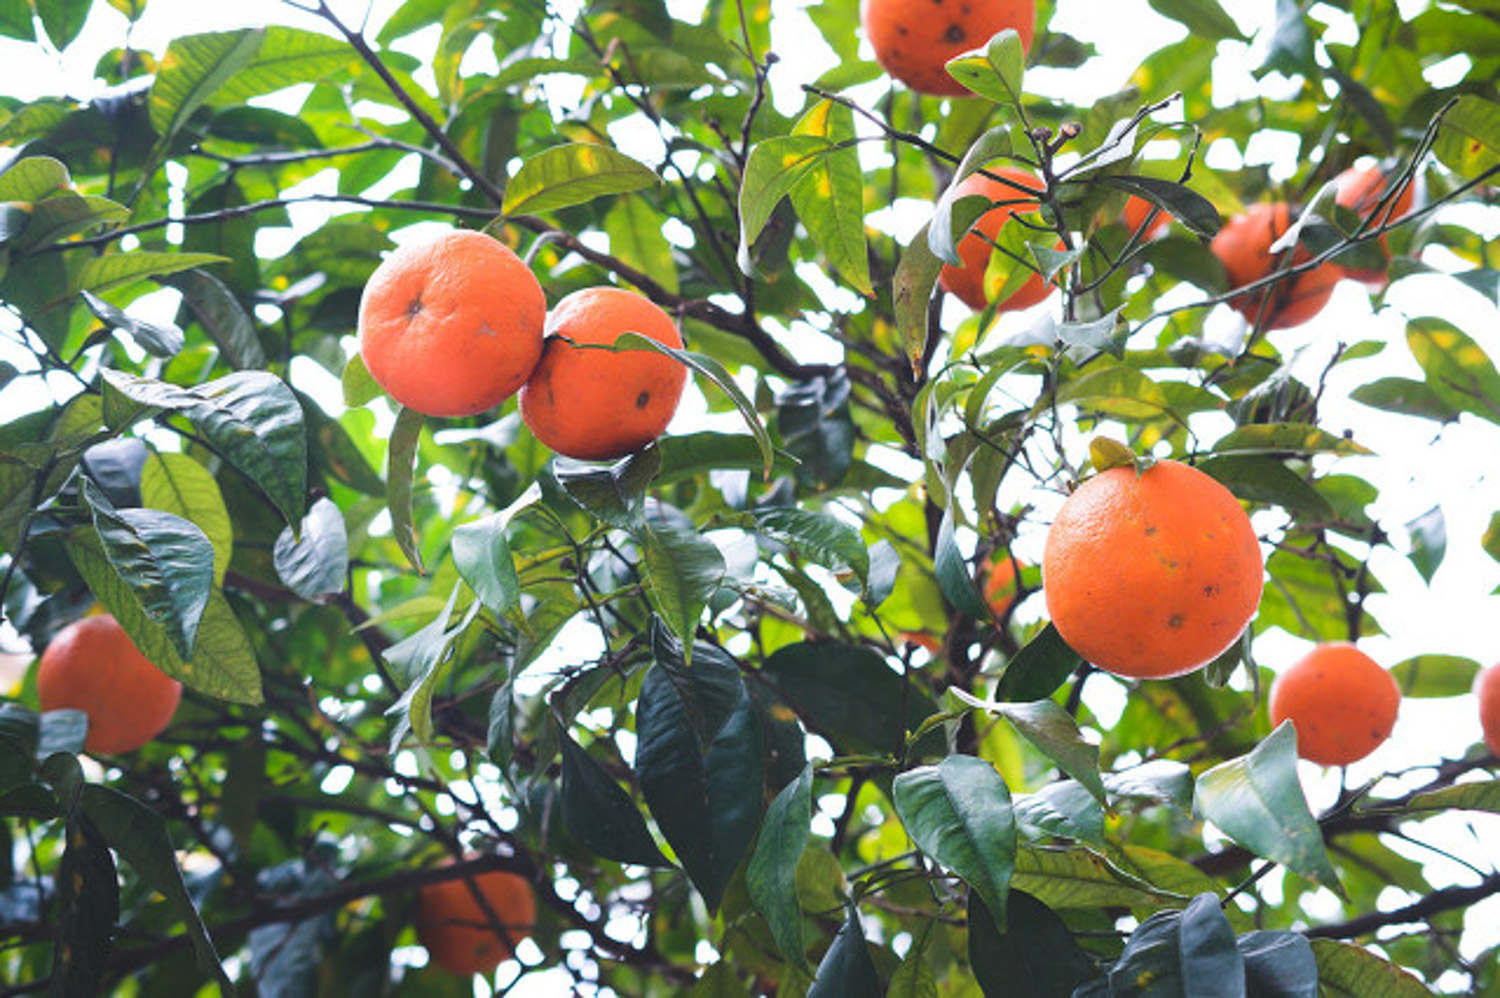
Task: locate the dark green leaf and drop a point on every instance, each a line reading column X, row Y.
column 139, row 835
column 1164, row 780
column 61, row 730
column 771, row 873
column 959, row 813
column 1035, row 957
column 1258, row 478
column 1038, row 669
column 399, row 470
column 481, row 553
column 425, row 660
column 1063, row 808
column 1192, row 209
column 1257, row 801
column 178, row 484
column 571, row 174
column 911, row 293
column 1406, row 396
column 88, row 903
column 846, row 970
column 1279, row 965
column 315, row 565
column 819, row 537
column 222, row 317
column 599, row 815
column 158, row 340
column 1211, row 964
column 1052, row 730
column 615, row 495
column 954, row 576
column 683, row 571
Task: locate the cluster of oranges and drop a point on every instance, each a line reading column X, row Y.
column 458, row 324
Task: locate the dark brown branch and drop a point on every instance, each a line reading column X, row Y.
column 1418, row 911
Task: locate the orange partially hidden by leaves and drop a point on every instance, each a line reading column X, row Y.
column 599, row 404
column 1152, row 574
column 1137, row 210
column 1243, row 246
column 458, row 935
column 967, row 281
column 453, row 326
column 92, row 665
column 1000, row 584
column 1341, row 701
column 1362, row 191
column 914, row 39
column 1487, row 689
column 923, row 639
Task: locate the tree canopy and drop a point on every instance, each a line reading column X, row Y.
column 747, row 708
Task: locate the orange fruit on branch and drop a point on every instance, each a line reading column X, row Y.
column 1000, row 588
column 1342, row 702
column 966, row 281
column 599, row 404
column 914, row 39
column 1137, row 210
column 1487, row 689
column 1151, row 574
column 92, row 665
column 457, row 933
column 1243, row 246
column 1362, row 191
column 451, row 326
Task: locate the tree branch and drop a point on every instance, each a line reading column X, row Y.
column 1418, row 911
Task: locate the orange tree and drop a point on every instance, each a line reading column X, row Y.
column 672, row 692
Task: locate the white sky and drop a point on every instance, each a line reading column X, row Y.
column 1418, row 464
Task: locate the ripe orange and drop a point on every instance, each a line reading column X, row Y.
column 1487, row 689
column 598, row 404
column 967, row 281
column 92, row 665
column 1342, row 702
column 1137, row 210
column 914, row 39
column 1361, row 191
column 1153, row 574
column 1243, row 247
column 1000, row 584
column 923, row 639
column 455, row 929
column 452, row 326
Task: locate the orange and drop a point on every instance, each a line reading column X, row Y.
column 1341, row 701
column 1487, row 689
column 598, row 404
column 967, row 281
column 452, row 326
column 1152, row 574
column 914, row 39
column 1243, row 246
column 922, row 639
column 92, row 665
column 456, row 930
column 1137, row 210
column 1361, row 191
column 1000, row 584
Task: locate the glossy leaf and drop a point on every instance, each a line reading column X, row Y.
column 175, row 483
column 1034, row 957
column 398, row 477
column 88, row 903
column 598, row 814
column 315, row 565
column 1042, row 665
column 221, row 315
column 160, row 340
column 1064, row 808
column 1053, row 731
column 829, row 198
column 683, row 571
column 1278, row 965
column 482, row 554
column 846, row 970
column 571, row 174
column 193, row 67
column 771, row 873
column 615, row 495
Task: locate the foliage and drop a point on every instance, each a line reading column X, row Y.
column 676, row 692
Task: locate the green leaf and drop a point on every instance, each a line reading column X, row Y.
column 914, row 978
column 1053, row 731
column 16, row 20
column 615, row 495
column 998, row 73
column 1165, row 780
column 1406, row 396
column 1480, row 795
column 113, row 270
column 599, row 815
column 1490, row 541
column 846, row 970
column 222, row 317
column 1063, row 808
column 817, row 536
column 175, row 483
column 1468, row 140
column 1349, row 971
column 1287, row 439
column 62, row 730
column 698, row 757
column 159, row 340
column 193, row 67
column 400, row 468
column 167, row 562
column 830, row 197
column 223, row 663
column 719, row 981
column 683, row 571
column 948, row 226
column 139, row 835
column 132, row 9
column 1192, row 209
column 1278, row 965
column 959, row 813
column 772, row 170
column 1211, row 963
column 1035, row 957
column 314, row 565
column 32, row 178
column 1429, row 541
column 1036, row 671
column 1257, row 801
column 911, row 294
column 1258, row 478
column 1456, row 366
column 1119, row 391
column 481, row 553
column 771, row 873
column 1075, row 877
column 635, row 237
column 1435, row 675
column 571, row 174
column 954, row 577
column 426, row 660
column 288, row 56
column 62, row 19
column 692, row 454
column 359, row 388
column 64, row 214
column 88, row 903
column 848, row 694
column 714, row 372
column 1203, row 18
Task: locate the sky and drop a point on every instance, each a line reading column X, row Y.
column 1418, row 463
